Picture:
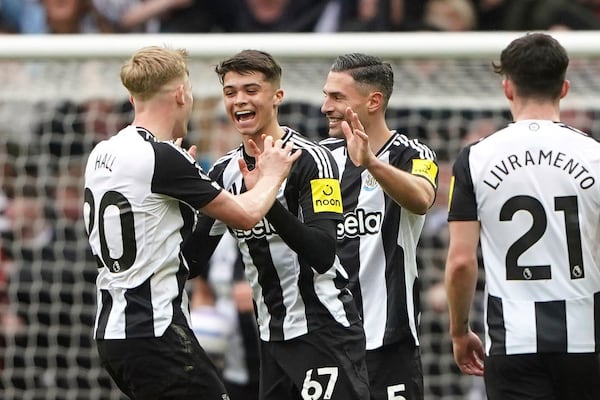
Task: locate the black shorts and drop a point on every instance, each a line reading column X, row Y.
column 395, row 372
column 543, row 376
column 325, row 364
column 172, row 366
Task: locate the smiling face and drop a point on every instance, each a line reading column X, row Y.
column 251, row 103
column 342, row 91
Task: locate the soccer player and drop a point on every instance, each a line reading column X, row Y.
column 388, row 183
column 142, row 193
column 530, row 194
column 312, row 339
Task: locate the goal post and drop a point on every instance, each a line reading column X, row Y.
column 61, row 94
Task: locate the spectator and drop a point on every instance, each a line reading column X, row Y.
column 59, row 16
column 155, row 16
column 278, row 15
column 524, row 15
column 450, row 15
column 382, row 15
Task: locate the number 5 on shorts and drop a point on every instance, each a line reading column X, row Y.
column 393, row 392
column 312, row 389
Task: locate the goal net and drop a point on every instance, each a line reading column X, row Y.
column 60, row 95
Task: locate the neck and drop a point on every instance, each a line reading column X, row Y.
column 532, row 109
column 378, row 133
column 273, row 130
column 162, row 128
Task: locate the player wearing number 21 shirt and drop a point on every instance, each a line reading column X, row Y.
column 530, row 193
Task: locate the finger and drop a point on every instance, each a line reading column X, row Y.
column 356, row 124
column 254, row 148
column 192, row 150
column 347, row 130
column 268, row 141
column 243, row 166
column 295, row 155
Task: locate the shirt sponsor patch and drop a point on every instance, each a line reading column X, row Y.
column 425, row 168
column 326, row 195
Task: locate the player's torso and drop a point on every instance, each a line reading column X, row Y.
column 376, row 245
column 290, row 296
column 536, row 186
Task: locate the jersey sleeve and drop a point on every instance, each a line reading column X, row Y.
column 319, row 194
column 462, row 204
column 176, row 174
column 418, row 159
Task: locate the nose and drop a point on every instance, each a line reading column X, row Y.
column 326, row 106
column 240, row 98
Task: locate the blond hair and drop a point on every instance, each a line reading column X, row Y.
column 150, row 68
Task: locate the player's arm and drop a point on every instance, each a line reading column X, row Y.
column 200, row 246
column 460, row 282
column 462, row 266
column 414, row 192
column 314, row 241
column 461, row 273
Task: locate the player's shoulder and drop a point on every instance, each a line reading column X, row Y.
column 333, row 143
column 400, row 142
column 299, row 141
column 226, row 158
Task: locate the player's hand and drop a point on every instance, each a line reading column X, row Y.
column 276, row 158
column 468, row 353
column 191, row 151
column 250, row 176
column 357, row 140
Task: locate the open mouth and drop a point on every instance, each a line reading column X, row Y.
column 242, row 116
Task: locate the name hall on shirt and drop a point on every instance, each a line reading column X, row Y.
column 549, row 158
column 105, row 161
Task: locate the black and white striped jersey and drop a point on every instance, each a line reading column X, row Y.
column 291, row 297
column 141, row 197
column 534, row 186
column 377, row 241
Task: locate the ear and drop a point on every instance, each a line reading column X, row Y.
column 508, row 89
column 131, row 101
column 180, row 95
column 565, row 88
column 375, row 101
column 278, row 97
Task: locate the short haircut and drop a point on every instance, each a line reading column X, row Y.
column 536, row 63
column 249, row 61
column 150, row 68
column 368, row 70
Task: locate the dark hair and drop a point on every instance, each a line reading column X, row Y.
column 248, row 61
column 536, row 63
column 368, row 70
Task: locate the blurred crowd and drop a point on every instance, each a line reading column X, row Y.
column 236, row 16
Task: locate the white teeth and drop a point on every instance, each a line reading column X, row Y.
column 243, row 112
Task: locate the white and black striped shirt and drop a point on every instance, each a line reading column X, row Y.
column 377, row 241
column 140, row 202
column 535, row 188
column 291, row 297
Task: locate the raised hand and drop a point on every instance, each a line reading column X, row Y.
column 357, row 141
column 276, row 158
